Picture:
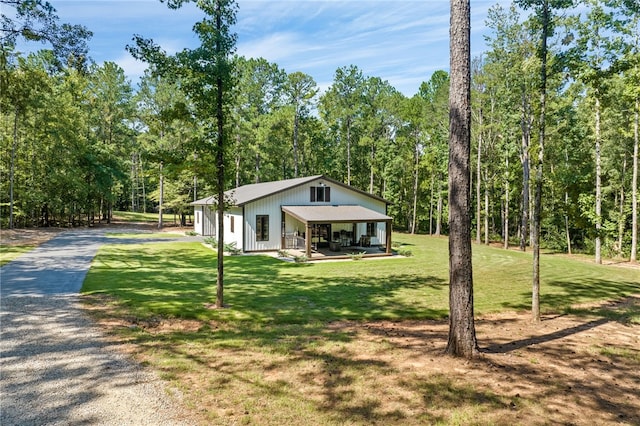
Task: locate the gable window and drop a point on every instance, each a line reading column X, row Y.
column 320, row 194
column 262, row 228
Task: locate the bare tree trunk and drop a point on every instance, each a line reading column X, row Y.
column 634, row 187
column 524, row 158
column 144, row 191
column 295, row 142
column 415, row 192
column 133, row 182
column 537, row 203
column 431, row 207
column 349, row 151
column 566, row 208
column 478, row 180
column 12, row 168
column 622, row 218
column 220, row 166
column 439, row 210
column 598, row 246
column 486, row 213
column 462, row 334
column 566, row 222
column 506, row 204
column 161, row 198
column 371, row 172
column 237, row 160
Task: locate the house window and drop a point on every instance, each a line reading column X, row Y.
column 197, row 218
column 320, row 194
column 262, row 228
column 371, row 229
column 232, row 224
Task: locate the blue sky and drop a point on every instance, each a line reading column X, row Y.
column 402, row 42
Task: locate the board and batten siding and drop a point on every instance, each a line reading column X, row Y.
column 204, row 222
column 235, row 235
column 300, row 196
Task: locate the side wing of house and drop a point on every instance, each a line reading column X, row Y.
column 205, row 223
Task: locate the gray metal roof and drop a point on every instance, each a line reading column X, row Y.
column 247, row 193
column 308, row 214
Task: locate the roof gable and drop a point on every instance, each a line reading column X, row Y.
column 252, row 192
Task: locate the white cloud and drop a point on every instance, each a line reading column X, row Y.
column 133, row 68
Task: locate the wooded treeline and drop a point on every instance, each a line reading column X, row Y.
column 79, row 140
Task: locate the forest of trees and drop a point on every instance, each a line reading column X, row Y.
column 80, row 140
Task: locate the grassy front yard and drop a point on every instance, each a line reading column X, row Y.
column 356, row 342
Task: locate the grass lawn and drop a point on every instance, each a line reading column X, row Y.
column 319, row 343
column 8, row 253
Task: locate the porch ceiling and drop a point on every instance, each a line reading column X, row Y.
column 335, row 214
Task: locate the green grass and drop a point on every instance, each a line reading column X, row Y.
column 9, row 253
column 275, row 355
column 178, row 279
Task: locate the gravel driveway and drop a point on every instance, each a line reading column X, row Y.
column 57, row 368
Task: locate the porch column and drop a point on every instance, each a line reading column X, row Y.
column 388, row 229
column 282, row 232
column 307, row 239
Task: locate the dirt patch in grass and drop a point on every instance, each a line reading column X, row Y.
column 569, row 369
column 27, row 237
column 37, row 236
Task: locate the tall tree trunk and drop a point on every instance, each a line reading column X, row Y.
column 144, row 191
column 598, row 184
column 486, row 213
column 161, row 198
column 478, row 180
column 431, row 207
column 133, row 182
column 566, row 207
column 12, row 167
column 372, row 157
column 349, row 151
column 237, row 159
column 537, row 199
column 506, row 204
column 415, row 192
column 566, row 222
column 634, row 186
column 524, row 158
column 439, row 209
column 462, row 334
column 220, row 164
column 295, row 141
column 622, row 219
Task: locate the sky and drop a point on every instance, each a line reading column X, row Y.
column 401, row 41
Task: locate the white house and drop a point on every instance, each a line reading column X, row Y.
column 306, row 213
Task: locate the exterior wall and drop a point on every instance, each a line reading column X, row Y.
column 235, row 214
column 300, row 196
column 197, row 220
column 204, row 221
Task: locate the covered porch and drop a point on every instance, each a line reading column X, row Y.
column 320, row 231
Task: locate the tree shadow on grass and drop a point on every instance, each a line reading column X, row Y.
column 558, row 295
column 269, row 294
